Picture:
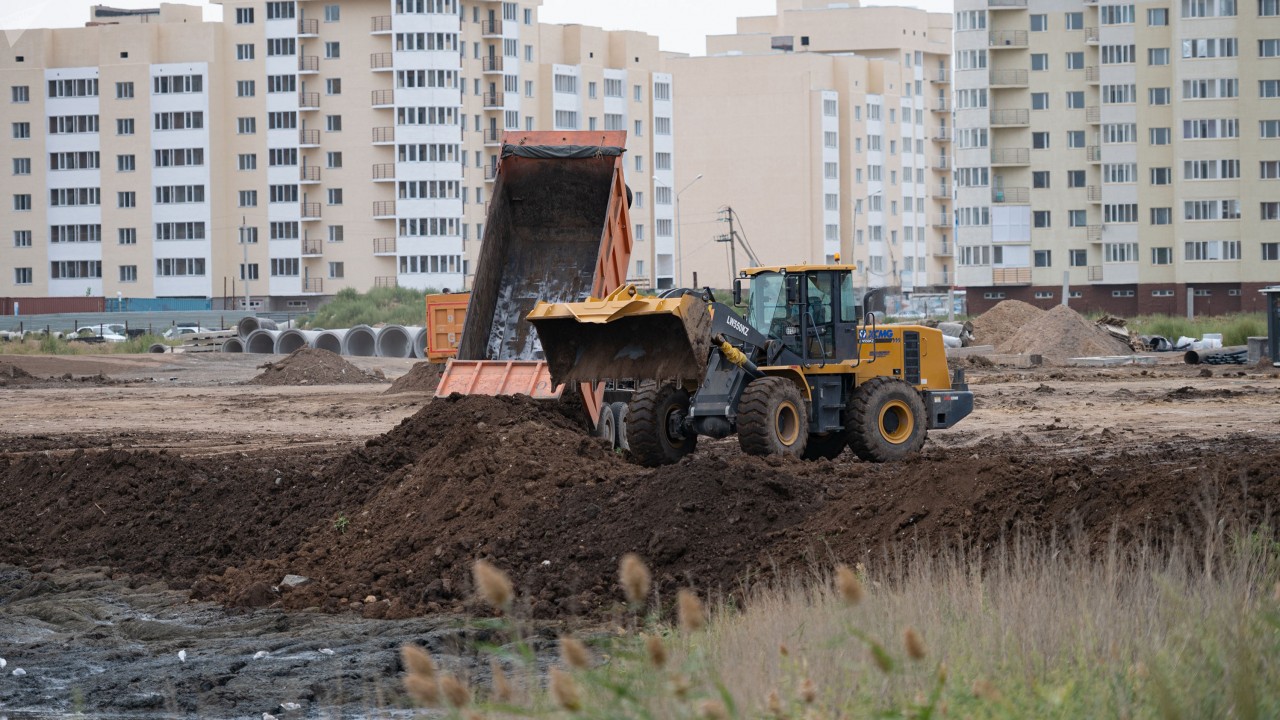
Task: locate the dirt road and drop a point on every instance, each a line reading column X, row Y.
column 160, row 483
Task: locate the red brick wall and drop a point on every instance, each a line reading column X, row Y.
column 1100, row 298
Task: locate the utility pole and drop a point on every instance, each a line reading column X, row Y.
column 733, row 254
column 244, row 247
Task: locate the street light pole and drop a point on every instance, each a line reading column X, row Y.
column 679, row 244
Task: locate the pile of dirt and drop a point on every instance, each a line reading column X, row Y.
column 1061, row 334
column 310, row 366
column 423, row 377
column 997, row 325
column 11, row 374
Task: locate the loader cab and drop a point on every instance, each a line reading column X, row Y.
column 811, row 310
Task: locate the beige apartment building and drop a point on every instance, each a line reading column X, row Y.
column 299, row 148
column 1133, row 148
column 827, row 129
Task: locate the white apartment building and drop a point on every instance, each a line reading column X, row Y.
column 1132, row 147
column 826, row 127
column 297, row 147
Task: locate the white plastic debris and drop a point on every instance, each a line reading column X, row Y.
column 326, row 651
column 182, row 655
column 290, row 706
column 3, row 662
column 260, row 654
column 19, row 672
column 268, row 716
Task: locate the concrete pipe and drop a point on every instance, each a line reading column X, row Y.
column 361, row 341
column 396, row 341
column 158, row 348
column 262, row 342
column 291, row 340
column 249, row 323
column 420, row 344
column 233, row 345
column 331, row 340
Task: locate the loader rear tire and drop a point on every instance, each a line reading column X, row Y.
column 826, row 447
column 653, row 421
column 773, row 418
column 886, row 420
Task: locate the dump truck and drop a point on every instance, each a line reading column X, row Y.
column 558, row 229
column 804, row 373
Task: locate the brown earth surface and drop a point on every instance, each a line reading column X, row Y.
column 995, row 326
column 1061, row 334
column 310, row 366
column 424, row 377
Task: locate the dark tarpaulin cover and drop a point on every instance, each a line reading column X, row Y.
column 560, row 151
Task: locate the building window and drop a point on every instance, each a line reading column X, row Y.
column 1119, row 252
column 662, row 91
column 335, row 233
column 1075, row 99
column 333, row 86
column 1044, row 258
column 22, row 238
column 333, row 123
column 1158, row 96
column 1270, row 211
column 127, row 199
column 22, row 166
column 1074, row 20
column 332, row 13
column 335, row 196
column 246, row 125
column 1039, row 23
column 22, row 202
column 1161, row 216
column 1161, row 176
column 336, row 270
column 280, row 10
column 285, row 267
column 126, row 163
column 332, row 50
column 124, row 126
column 244, row 51
column 1160, row 136
column 21, row 93
column 248, row 198
column 1040, row 100
column 1268, row 88
column 1157, row 17
column 1077, row 218
column 1040, row 140
column 127, row 236
column 244, row 16
column 124, row 90
column 1040, row 219
column 1039, row 61
column 22, row 276
column 1271, row 251
column 1077, row 258
column 1075, row 138
column 1157, row 56
column 568, row 120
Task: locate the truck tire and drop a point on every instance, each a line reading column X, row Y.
column 825, row 447
column 773, row 418
column 620, row 413
column 649, row 420
column 886, row 420
column 606, row 426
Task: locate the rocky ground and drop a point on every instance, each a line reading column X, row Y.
column 158, row 509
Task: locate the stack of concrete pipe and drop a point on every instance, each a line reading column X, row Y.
column 261, row 335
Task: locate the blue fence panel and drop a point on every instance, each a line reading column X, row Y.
column 159, row 304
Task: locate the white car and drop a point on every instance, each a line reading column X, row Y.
column 180, row 331
column 99, row 333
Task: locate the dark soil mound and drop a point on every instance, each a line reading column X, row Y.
column 309, row 366
column 422, row 377
column 11, row 374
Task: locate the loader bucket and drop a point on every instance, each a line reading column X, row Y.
column 624, row 336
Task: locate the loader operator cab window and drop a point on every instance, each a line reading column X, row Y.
column 769, row 310
column 820, row 323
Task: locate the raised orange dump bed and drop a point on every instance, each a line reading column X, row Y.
column 445, row 316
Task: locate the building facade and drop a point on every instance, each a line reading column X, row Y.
column 1129, row 150
column 826, row 128
column 297, row 148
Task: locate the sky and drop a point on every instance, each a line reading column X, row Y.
column 681, row 25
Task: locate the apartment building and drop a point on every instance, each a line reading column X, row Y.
column 297, row 148
column 827, row 129
column 1132, row 149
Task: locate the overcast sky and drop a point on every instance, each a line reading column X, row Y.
column 682, row 25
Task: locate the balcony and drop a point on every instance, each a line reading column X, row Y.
column 1094, row 193
column 1092, row 75
column 490, row 173
column 1007, row 39
column 1093, row 115
column 942, row 134
column 492, row 65
column 384, row 172
column 493, row 136
column 388, row 281
column 308, row 65
column 309, row 174
column 491, row 28
column 1006, row 4
column 494, row 101
column 1009, row 78
column 312, row 247
column 308, row 27
column 1091, row 36
column 308, row 101
column 381, row 62
column 309, row 138
column 384, row 246
column 941, row 104
column 1014, row 117
column 382, row 98
column 314, row 286
column 384, row 210
column 1095, row 273
column 942, row 162
column 942, row 190
column 380, row 25
column 1094, row 233
column 945, row 250
column 1094, row 153
column 942, row 220
column 1011, row 276
column 1010, row 156
column 942, row 76
column 1011, row 195
column 384, row 136
column 310, row 211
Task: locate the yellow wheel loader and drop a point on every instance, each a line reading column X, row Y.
column 803, row 373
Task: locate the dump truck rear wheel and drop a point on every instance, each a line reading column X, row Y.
column 606, row 426
column 886, row 420
column 653, row 425
column 620, row 413
column 773, row 418
column 827, row 446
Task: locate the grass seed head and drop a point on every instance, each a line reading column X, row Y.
column 493, row 584
column 680, row 686
column 713, row 710
column 984, row 690
column 417, row 661
column 565, row 690
column 635, row 579
column 455, row 691
column 573, row 653
column 783, row 650
column 689, row 611
column 656, row 649
column 773, row 704
column 423, row 689
column 808, row 691
column 881, row 658
column 502, row 690
column 914, row 643
column 848, row 585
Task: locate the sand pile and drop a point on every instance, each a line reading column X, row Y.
column 1061, row 334
column 423, row 377
column 11, row 374
column 309, row 366
column 997, row 325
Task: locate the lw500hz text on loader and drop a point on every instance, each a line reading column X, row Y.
column 804, row 373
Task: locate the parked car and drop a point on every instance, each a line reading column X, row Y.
column 99, row 333
column 180, row 331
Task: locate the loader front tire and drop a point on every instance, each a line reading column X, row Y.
column 653, row 425
column 773, row 418
column 886, row 420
